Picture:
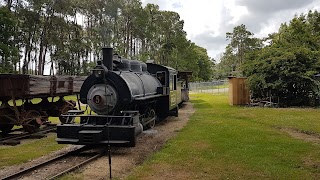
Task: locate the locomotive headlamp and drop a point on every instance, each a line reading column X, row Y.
column 98, row 73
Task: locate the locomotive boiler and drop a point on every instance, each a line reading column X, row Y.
column 126, row 97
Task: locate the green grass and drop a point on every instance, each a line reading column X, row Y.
column 25, row 152
column 54, row 120
column 11, row 155
column 228, row 142
column 37, row 100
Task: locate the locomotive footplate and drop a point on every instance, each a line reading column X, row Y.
column 100, row 129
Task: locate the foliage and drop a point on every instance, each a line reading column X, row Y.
column 9, row 54
column 241, row 44
column 68, row 35
column 285, row 69
column 280, row 67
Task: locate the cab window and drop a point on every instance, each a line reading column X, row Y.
column 161, row 76
column 173, row 82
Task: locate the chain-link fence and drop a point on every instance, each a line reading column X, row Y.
column 214, row 87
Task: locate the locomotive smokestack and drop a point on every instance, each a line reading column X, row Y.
column 107, row 54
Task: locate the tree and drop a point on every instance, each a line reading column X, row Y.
column 285, row 69
column 242, row 43
column 48, row 33
column 9, row 52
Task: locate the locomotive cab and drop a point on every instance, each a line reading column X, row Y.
column 167, row 104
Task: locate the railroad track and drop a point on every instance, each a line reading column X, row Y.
column 26, row 134
column 80, row 157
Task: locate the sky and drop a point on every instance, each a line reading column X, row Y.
column 207, row 21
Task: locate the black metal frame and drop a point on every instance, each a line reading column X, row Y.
column 99, row 129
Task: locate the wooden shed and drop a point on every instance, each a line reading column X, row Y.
column 238, row 91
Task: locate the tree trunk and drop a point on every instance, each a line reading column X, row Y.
column 78, row 69
column 127, row 38
column 9, row 4
column 41, row 52
column 26, row 54
column 44, row 59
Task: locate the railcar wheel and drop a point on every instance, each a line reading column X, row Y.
column 31, row 121
column 6, row 128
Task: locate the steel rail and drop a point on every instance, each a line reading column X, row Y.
column 25, row 135
column 32, row 168
column 77, row 166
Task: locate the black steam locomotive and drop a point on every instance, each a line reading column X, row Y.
column 127, row 97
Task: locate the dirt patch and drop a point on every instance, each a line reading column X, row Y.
column 313, row 164
column 308, row 161
column 302, row 135
column 125, row 159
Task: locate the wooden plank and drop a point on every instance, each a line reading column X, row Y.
column 13, row 84
column 77, row 83
column 69, row 84
column 39, row 85
column 55, row 85
column 33, row 86
column 238, row 91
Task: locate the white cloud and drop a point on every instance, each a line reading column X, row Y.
column 235, row 11
column 207, row 21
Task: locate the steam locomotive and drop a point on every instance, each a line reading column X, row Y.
column 127, row 96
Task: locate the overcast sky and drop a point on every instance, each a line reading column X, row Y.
column 207, row 21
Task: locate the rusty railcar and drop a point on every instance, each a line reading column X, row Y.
column 23, row 87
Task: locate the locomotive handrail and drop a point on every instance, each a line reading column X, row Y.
column 129, row 112
column 106, row 116
column 148, row 97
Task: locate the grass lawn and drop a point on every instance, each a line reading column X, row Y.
column 228, row 142
column 37, row 100
column 11, row 155
column 23, row 153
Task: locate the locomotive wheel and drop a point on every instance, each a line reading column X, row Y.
column 151, row 114
column 133, row 141
column 6, row 128
column 32, row 121
column 64, row 110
